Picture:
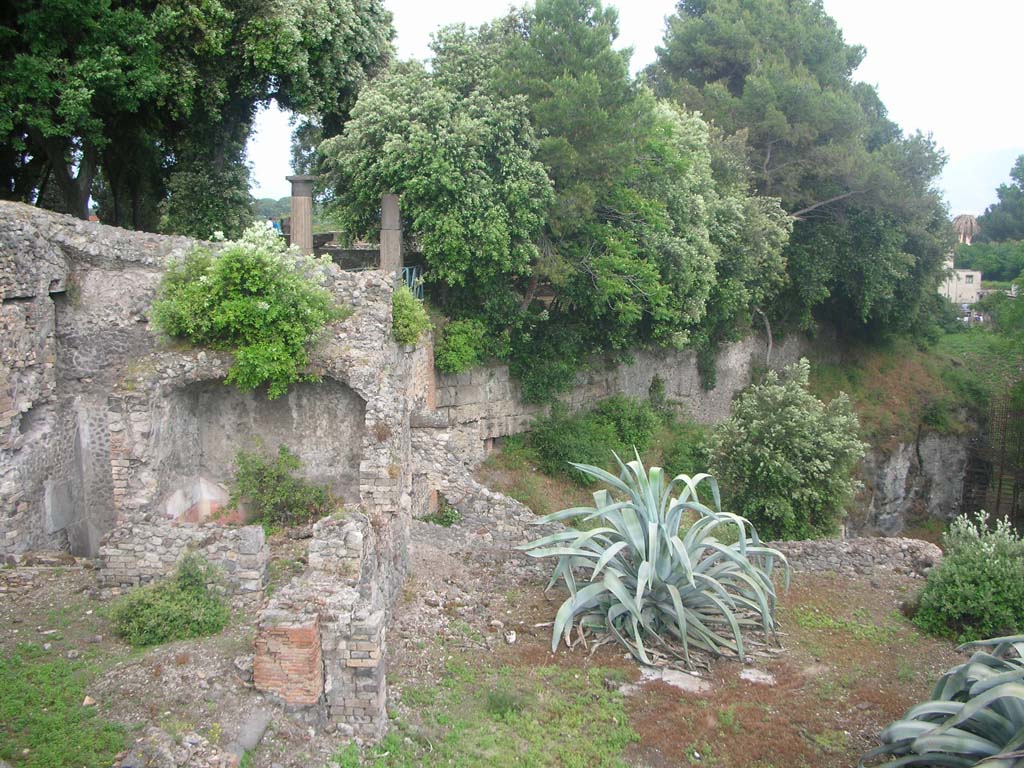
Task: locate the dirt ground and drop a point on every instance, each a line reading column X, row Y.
column 849, row 663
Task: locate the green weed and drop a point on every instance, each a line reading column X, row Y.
column 42, row 720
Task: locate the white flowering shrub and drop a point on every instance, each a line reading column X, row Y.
column 255, row 298
column 977, row 590
column 786, row 458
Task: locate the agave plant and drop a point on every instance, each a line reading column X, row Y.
column 653, row 584
column 975, row 718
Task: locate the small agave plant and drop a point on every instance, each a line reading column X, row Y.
column 975, row 717
column 648, row 583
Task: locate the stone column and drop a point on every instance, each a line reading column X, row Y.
column 390, row 235
column 302, row 212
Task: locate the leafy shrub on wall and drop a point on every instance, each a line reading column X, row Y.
column 978, row 589
column 787, row 458
column 253, row 298
column 462, row 346
column 273, row 495
column 408, row 317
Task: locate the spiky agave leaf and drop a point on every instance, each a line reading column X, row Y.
column 649, row 585
column 975, row 719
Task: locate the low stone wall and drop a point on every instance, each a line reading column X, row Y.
column 863, row 556
column 486, row 403
column 320, row 640
column 487, row 517
column 135, row 554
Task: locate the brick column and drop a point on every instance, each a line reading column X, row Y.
column 302, row 212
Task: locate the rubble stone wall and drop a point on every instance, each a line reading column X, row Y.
column 104, row 424
column 861, row 556
column 137, row 553
column 337, row 600
column 486, row 403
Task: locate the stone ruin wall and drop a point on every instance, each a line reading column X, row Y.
column 118, row 444
column 485, row 403
column 115, row 443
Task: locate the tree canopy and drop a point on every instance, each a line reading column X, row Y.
column 157, row 98
column 553, row 196
column 1004, row 220
column 870, row 230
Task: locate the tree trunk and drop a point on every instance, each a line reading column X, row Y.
column 74, row 190
column 768, row 333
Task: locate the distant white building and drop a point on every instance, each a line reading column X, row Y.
column 961, row 286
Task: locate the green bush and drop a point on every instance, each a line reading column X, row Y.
column 787, row 458
column 561, row 438
column 462, row 346
column 687, row 449
column 978, row 588
column 254, row 299
column 634, row 421
column 177, row 608
column 617, row 424
column 653, row 583
column 273, row 495
column 446, row 515
column 408, row 317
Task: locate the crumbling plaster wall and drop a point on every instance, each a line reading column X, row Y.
column 102, row 423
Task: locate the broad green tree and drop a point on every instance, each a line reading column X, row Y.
column 472, row 193
column 621, row 248
column 996, row 261
column 158, row 96
column 869, row 227
column 1004, row 220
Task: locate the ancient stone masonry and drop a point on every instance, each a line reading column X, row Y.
column 74, row 297
column 320, row 641
column 488, row 517
column 864, row 556
column 114, row 442
column 485, row 403
column 103, row 423
column 137, row 553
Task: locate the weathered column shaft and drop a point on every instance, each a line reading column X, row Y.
column 302, row 212
column 390, row 235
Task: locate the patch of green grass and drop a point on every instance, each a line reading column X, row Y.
column 727, row 719
column 860, row 627
column 175, row 608
column 538, row 716
column 831, row 740
column 446, row 515
column 42, row 720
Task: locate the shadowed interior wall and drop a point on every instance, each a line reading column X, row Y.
column 204, row 425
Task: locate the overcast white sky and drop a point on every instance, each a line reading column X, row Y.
column 950, row 70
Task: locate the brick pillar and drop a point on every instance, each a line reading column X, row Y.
column 302, row 212
column 288, row 659
column 390, row 235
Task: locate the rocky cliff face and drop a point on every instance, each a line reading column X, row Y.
column 912, row 482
